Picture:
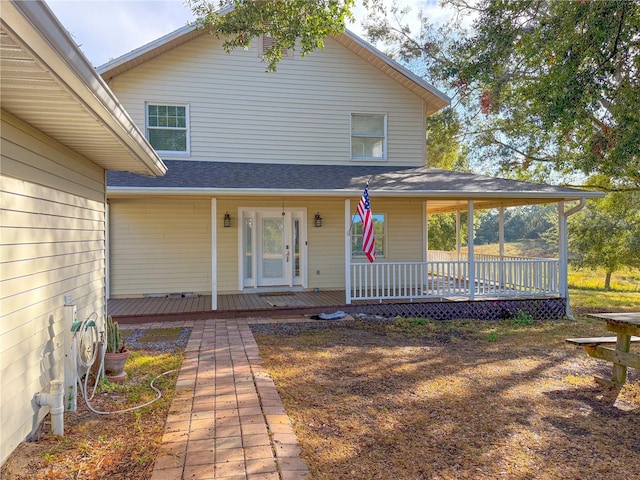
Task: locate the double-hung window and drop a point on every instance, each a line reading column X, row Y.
column 368, row 137
column 168, row 128
column 379, row 234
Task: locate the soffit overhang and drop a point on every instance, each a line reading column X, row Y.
column 48, row 83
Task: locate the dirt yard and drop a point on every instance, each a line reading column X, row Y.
column 401, row 399
column 454, row 400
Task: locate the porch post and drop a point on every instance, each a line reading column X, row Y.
column 347, row 251
column 425, row 233
column 501, row 240
column 458, row 233
column 472, row 262
column 563, row 255
column 214, row 255
column 501, row 231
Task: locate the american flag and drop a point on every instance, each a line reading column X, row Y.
column 368, row 240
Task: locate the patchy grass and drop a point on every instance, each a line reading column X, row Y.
column 411, row 399
column 623, row 281
column 119, row 446
column 584, row 301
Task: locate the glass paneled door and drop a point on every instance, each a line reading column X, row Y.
column 272, row 252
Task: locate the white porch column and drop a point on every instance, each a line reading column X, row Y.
column 425, row 233
column 214, row 255
column 563, row 255
column 501, row 231
column 458, row 234
column 472, row 262
column 347, row 251
column 501, row 240
column 563, row 216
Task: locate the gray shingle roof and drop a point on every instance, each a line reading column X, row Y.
column 278, row 178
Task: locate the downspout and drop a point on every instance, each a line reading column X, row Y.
column 564, row 250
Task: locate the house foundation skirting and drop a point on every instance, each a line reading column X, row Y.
column 537, row 308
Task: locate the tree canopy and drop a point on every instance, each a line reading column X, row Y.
column 606, row 233
column 546, row 86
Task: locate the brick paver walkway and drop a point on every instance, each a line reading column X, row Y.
column 226, row 420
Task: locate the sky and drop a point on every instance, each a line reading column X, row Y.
column 107, row 29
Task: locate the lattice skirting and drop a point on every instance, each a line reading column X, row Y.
column 538, row 308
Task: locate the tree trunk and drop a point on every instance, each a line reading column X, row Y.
column 607, row 281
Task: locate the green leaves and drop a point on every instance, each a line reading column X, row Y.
column 543, row 87
column 289, row 23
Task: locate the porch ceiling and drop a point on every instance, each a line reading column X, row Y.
column 444, row 191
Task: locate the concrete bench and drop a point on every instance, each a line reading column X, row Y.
column 581, row 342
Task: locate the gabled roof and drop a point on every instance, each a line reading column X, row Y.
column 47, row 82
column 445, row 190
column 434, row 98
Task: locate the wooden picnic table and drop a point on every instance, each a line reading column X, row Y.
column 625, row 326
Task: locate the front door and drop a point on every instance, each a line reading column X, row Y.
column 272, row 252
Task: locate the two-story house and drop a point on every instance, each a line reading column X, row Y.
column 266, row 171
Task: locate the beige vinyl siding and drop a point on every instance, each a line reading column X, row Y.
column 159, row 246
column 299, row 114
column 52, row 232
column 404, row 234
column 325, row 244
column 163, row 245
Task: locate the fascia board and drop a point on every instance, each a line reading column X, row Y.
column 40, row 32
column 114, row 192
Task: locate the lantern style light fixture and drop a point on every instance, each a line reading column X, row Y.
column 317, row 220
column 227, row 220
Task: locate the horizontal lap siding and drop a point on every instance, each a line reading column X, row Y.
column 325, row 244
column 52, row 237
column 160, row 246
column 299, row 114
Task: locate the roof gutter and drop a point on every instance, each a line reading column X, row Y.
column 115, row 192
column 53, row 47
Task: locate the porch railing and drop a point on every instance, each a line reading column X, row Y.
column 451, row 278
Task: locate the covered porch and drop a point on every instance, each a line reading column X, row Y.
column 292, row 229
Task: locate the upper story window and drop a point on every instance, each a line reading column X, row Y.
column 167, row 128
column 368, row 137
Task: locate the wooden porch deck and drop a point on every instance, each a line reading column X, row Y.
column 152, row 309
column 229, row 306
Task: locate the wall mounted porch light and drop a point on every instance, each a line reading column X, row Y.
column 227, row 220
column 317, row 220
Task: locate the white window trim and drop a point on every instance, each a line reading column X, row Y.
column 357, row 255
column 169, row 153
column 384, row 143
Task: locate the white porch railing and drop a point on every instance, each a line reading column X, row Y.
column 450, row 278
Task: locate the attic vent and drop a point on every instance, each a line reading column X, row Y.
column 265, row 44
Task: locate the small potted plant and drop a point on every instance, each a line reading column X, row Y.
column 115, row 355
